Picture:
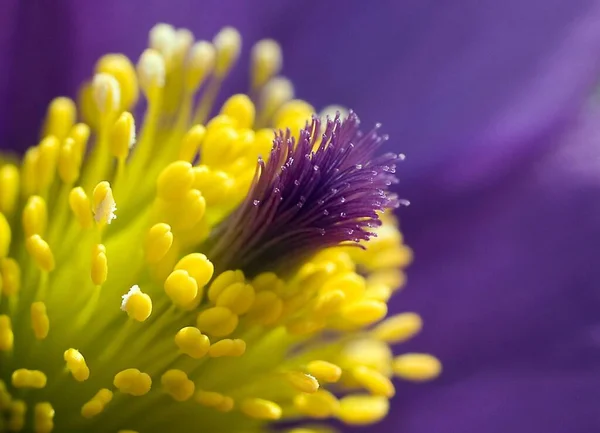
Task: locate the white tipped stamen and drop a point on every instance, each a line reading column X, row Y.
column 125, row 298
column 151, row 70
column 163, row 39
column 107, row 92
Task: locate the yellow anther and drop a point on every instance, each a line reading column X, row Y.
column 418, row 367
column 261, row 409
column 365, row 312
column 321, row 404
column 80, row 133
column 398, row 328
column 81, row 207
column 190, row 143
column 122, row 136
column 5, row 397
column 352, row 284
column 120, row 67
column 41, row 253
column 216, row 185
column 200, row 64
column 7, row 337
column 181, row 288
column 76, row 365
column 266, row 309
column 226, row 405
column 151, row 72
column 177, row 385
column 175, row 181
column 378, row 291
column 266, row 61
column 227, row 347
column 97, row 403
column 293, row 114
column 5, row 236
column 223, row 281
column 49, row 149
column 228, row 44
column 209, row 398
column 238, row 297
column 107, row 94
column 162, row 38
column 372, row 353
column 99, row 265
column 39, row 320
column 217, row 321
column 137, row 304
column 192, row 342
column 60, row 117
column 302, row 382
column 104, row 205
column 263, row 143
column 11, row 276
column 218, row 144
column 132, row 381
column 329, row 303
column 324, row 371
column 35, row 216
column 363, row 409
column 23, row 378
column 185, row 213
column 198, row 266
column 158, row 242
column 274, row 94
column 43, row 418
column 373, row 381
column 17, row 410
column 241, row 109
column 9, row 188
column 29, row 176
column 69, row 162
column 305, row 326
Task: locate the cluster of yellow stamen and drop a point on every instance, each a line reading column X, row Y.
column 250, row 346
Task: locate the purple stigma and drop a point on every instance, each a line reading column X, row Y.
column 325, row 190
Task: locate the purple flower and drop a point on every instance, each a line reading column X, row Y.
column 485, row 98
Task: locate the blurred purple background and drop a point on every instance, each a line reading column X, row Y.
column 490, row 100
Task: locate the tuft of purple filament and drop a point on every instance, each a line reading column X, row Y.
column 324, row 190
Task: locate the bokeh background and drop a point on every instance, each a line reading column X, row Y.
column 493, row 104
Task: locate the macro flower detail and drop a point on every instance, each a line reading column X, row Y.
column 199, row 273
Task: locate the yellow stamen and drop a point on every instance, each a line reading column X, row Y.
column 41, row 253
column 122, row 136
column 23, row 378
column 303, row 382
column 39, row 320
column 104, row 205
column 261, row 409
column 398, row 328
column 6, row 333
column 60, row 118
column 121, row 68
column 132, row 381
column 177, row 385
column 217, row 321
column 9, row 188
column 81, row 207
column 97, row 403
column 373, row 381
column 137, row 304
column 321, row 404
column 227, row 347
column 5, row 236
column 192, row 342
column 43, row 418
column 77, row 365
column 363, row 409
column 11, row 276
column 181, row 288
column 35, row 216
column 417, row 367
column 266, row 62
column 158, row 242
column 324, row 371
column 99, row 265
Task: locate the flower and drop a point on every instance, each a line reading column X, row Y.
column 166, row 279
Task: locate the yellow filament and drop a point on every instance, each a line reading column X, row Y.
column 77, row 365
column 39, row 320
